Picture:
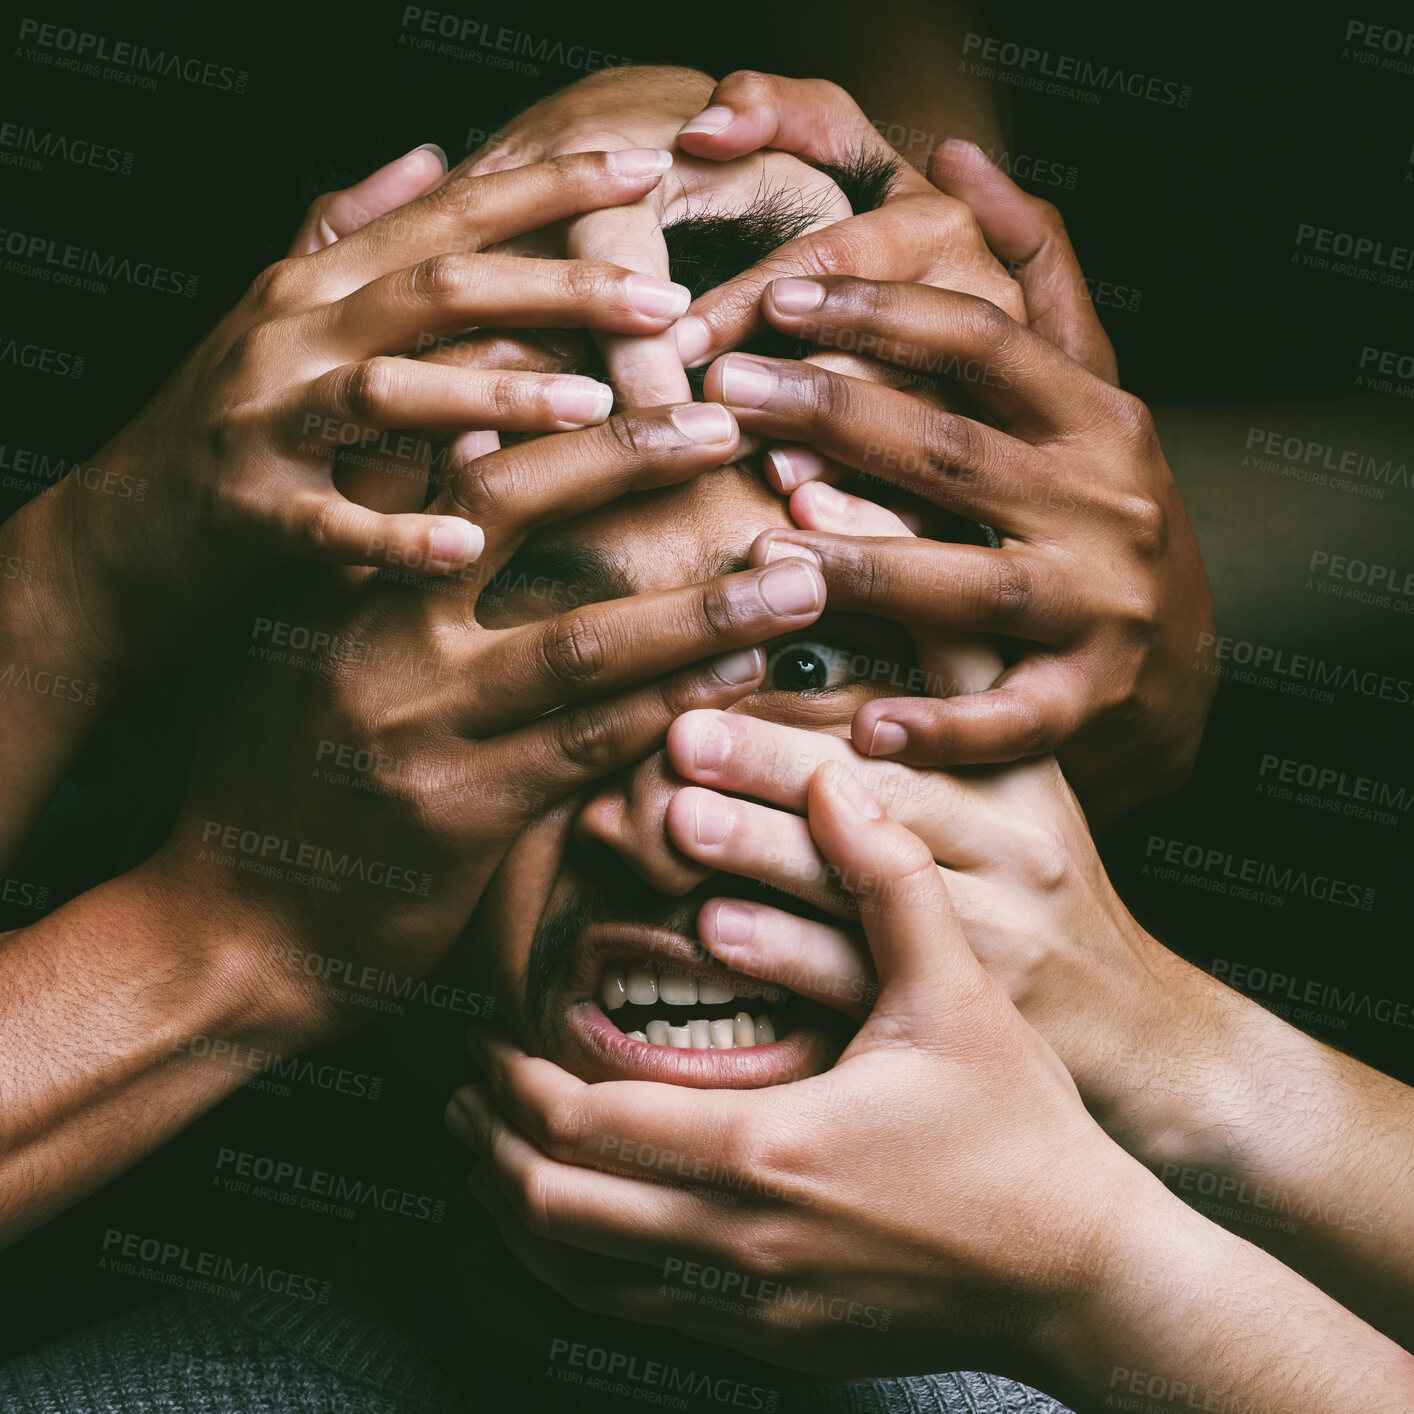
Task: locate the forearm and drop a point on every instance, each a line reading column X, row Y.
column 1300, row 1149
column 55, row 678
column 99, row 1003
column 1185, row 1316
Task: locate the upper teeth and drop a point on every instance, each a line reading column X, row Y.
column 643, row 985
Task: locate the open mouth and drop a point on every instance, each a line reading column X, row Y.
column 649, row 1003
column 661, row 1005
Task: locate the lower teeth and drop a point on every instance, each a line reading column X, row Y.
column 726, row 1034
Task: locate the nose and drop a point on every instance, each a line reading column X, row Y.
column 628, row 813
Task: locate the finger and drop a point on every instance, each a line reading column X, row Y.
column 813, row 118
column 957, row 462
column 773, row 763
column 552, row 478
column 566, row 750
column 1013, row 591
column 322, row 525
column 446, row 294
column 815, row 505
column 644, row 368
column 918, row 947
column 601, row 648
column 1034, row 708
column 616, row 1125
column 350, row 403
column 338, row 214
column 470, row 213
column 819, row 961
column 622, row 1218
column 1001, row 364
column 1030, row 236
column 769, row 846
column 899, row 241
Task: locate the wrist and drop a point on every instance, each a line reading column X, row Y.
column 51, row 623
column 236, row 951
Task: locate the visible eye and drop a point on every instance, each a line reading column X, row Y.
column 806, row 665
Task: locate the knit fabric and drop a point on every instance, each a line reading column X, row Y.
column 273, row 1355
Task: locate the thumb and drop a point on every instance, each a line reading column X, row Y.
column 924, row 964
column 341, row 213
column 1029, row 235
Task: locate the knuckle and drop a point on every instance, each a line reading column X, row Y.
column 442, row 277
column 459, row 202
column 564, row 1130
column 278, row 285
column 722, row 611
column 832, row 397
column 1012, row 589
column 1147, row 523
column 636, row 438
column 1131, row 419
column 482, row 490
column 573, row 650
column 954, row 445
column 1047, row 855
column 535, row 1201
column 1030, row 734
column 367, row 388
column 587, row 739
column 837, row 250
column 987, row 324
column 586, row 281
column 319, row 524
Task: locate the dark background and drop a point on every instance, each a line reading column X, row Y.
column 1197, row 208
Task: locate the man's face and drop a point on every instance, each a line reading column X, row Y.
column 593, row 897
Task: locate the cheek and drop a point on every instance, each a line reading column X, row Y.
column 514, row 901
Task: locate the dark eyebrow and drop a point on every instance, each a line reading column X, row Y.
column 709, row 567
column 593, row 575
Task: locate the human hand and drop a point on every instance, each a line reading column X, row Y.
column 939, row 1196
column 236, row 449
column 416, row 739
column 918, row 233
column 1097, row 585
column 891, row 1186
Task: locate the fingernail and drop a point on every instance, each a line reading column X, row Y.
column 458, row 1122
column 434, row 150
column 710, row 818
column 706, row 423
column 709, row 120
column 456, row 541
column 856, row 796
column 733, row 923
column 789, row 550
column 746, row 382
column 791, row 466
column 581, row 400
column 637, row 162
column 737, row 668
column 888, row 738
column 712, row 744
column 694, row 339
column 825, row 498
column 797, row 296
column 791, row 589
column 659, row 299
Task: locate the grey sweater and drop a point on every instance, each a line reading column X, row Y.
column 273, row 1355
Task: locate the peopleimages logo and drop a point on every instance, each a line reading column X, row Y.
column 1090, row 80
column 78, row 49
